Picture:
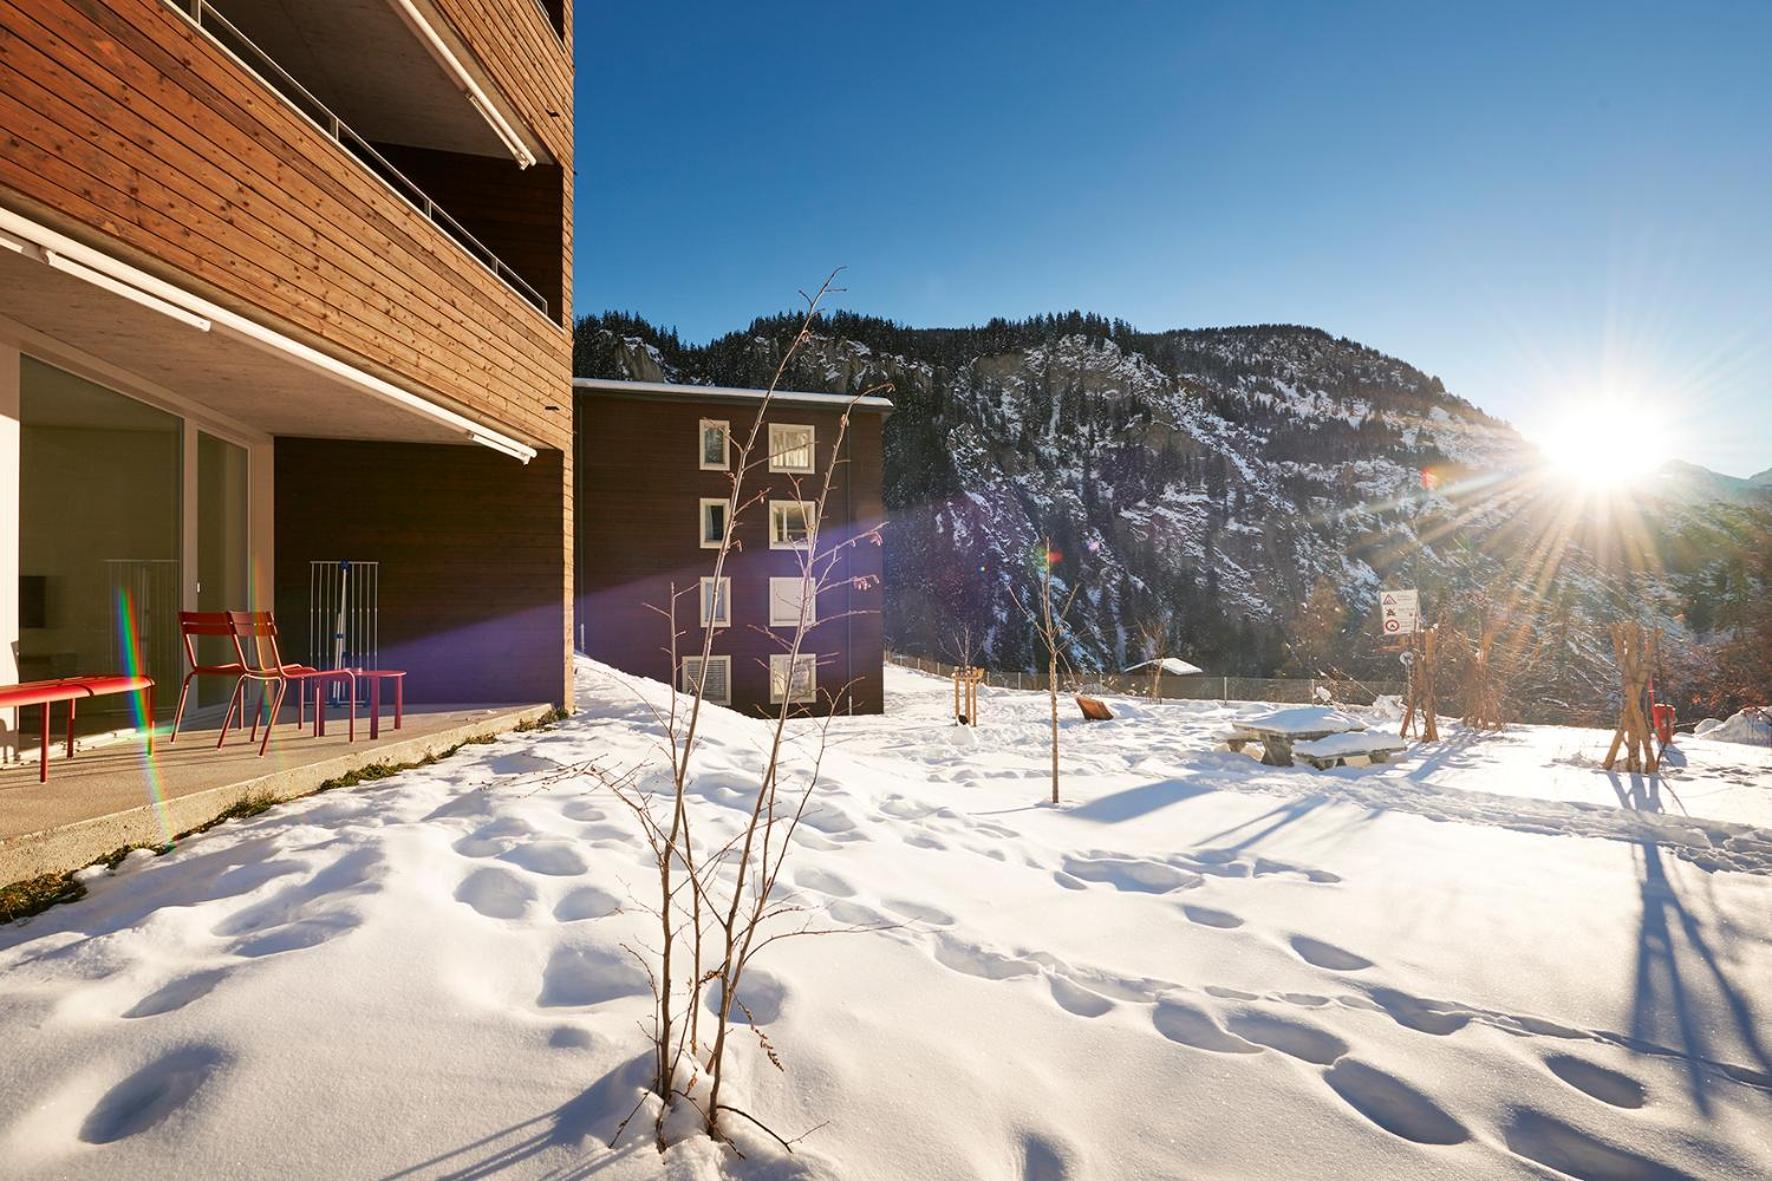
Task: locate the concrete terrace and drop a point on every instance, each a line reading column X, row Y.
column 104, row 797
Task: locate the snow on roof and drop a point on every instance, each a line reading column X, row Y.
column 1173, row 666
column 1301, row 719
column 718, row 393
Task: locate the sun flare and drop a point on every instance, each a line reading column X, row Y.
column 1604, row 443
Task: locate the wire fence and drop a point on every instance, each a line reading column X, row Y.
column 1200, row 687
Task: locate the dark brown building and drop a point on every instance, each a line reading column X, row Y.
column 284, row 283
column 654, row 467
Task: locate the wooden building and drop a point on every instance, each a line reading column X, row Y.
column 654, row 467
column 284, row 283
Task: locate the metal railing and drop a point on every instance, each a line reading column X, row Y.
column 1199, row 687
column 255, row 61
column 547, row 16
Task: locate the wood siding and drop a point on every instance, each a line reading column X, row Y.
column 473, row 547
column 639, row 491
column 126, row 128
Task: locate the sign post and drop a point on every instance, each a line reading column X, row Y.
column 1400, row 612
column 1400, row 622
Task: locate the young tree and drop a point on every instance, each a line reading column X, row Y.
column 1049, row 627
column 1317, row 633
column 1154, row 633
column 716, row 894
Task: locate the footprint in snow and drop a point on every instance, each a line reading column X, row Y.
column 854, row 914
column 496, row 893
column 823, row 882
column 972, row 960
column 904, row 809
column 1551, row 1142
column 1189, row 1025
column 590, row 976
column 586, row 902
column 582, row 810
column 1423, row 1016
column 491, row 839
column 813, row 839
column 1226, row 993
column 152, row 1094
column 1289, row 1036
column 1327, row 955
column 1144, row 877
column 1074, row 998
column 1598, row 1082
column 554, row 858
column 298, row 935
column 760, row 998
column 177, row 993
column 1206, row 916
column 1394, row 1105
column 828, row 820
column 1043, row 1159
column 355, row 872
column 921, row 912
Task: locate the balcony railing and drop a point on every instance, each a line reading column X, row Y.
column 202, row 15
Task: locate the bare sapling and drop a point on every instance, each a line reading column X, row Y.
column 962, row 647
column 1153, row 635
column 715, row 904
column 1049, row 626
column 756, row 856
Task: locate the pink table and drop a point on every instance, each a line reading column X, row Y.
column 375, row 677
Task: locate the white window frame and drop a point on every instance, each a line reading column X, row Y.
column 779, row 688
column 808, row 509
column 724, row 595
column 701, row 520
column 777, row 463
column 684, row 684
column 701, row 445
column 784, row 618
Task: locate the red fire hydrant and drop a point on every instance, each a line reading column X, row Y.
column 1662, row 716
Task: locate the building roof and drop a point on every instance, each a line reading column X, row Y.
column 1173, row 665
column 716, row 393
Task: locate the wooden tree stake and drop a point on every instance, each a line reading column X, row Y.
column 1635, row 650
column 1423, row 696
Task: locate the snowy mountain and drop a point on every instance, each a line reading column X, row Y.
column 1242, row 491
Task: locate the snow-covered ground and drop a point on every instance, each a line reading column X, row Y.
column 1488, row 959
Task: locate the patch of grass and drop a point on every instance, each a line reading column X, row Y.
column 248, row 805
column 35, row 895
column 544, row 722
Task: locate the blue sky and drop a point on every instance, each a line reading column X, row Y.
column 1549, row 206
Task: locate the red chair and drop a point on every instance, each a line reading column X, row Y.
column 192, row 624
column 255, row 632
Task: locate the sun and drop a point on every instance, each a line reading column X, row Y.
column 1603, row 443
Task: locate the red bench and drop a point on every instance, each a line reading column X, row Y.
column 73, row 690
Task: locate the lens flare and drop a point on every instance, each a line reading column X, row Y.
column 130, row 642
column 1604, row 443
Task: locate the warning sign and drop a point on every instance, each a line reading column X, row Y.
column 1399, row 611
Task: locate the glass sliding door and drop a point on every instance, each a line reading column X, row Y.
column 100, row 526
column 222, row 569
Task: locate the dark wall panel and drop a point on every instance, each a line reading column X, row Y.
column 474, row 554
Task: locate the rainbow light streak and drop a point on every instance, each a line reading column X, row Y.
column 132, row 665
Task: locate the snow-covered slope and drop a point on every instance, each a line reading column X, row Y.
column 1486, row 960
column 1207, row 483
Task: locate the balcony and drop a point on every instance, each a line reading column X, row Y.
column 366, row 63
